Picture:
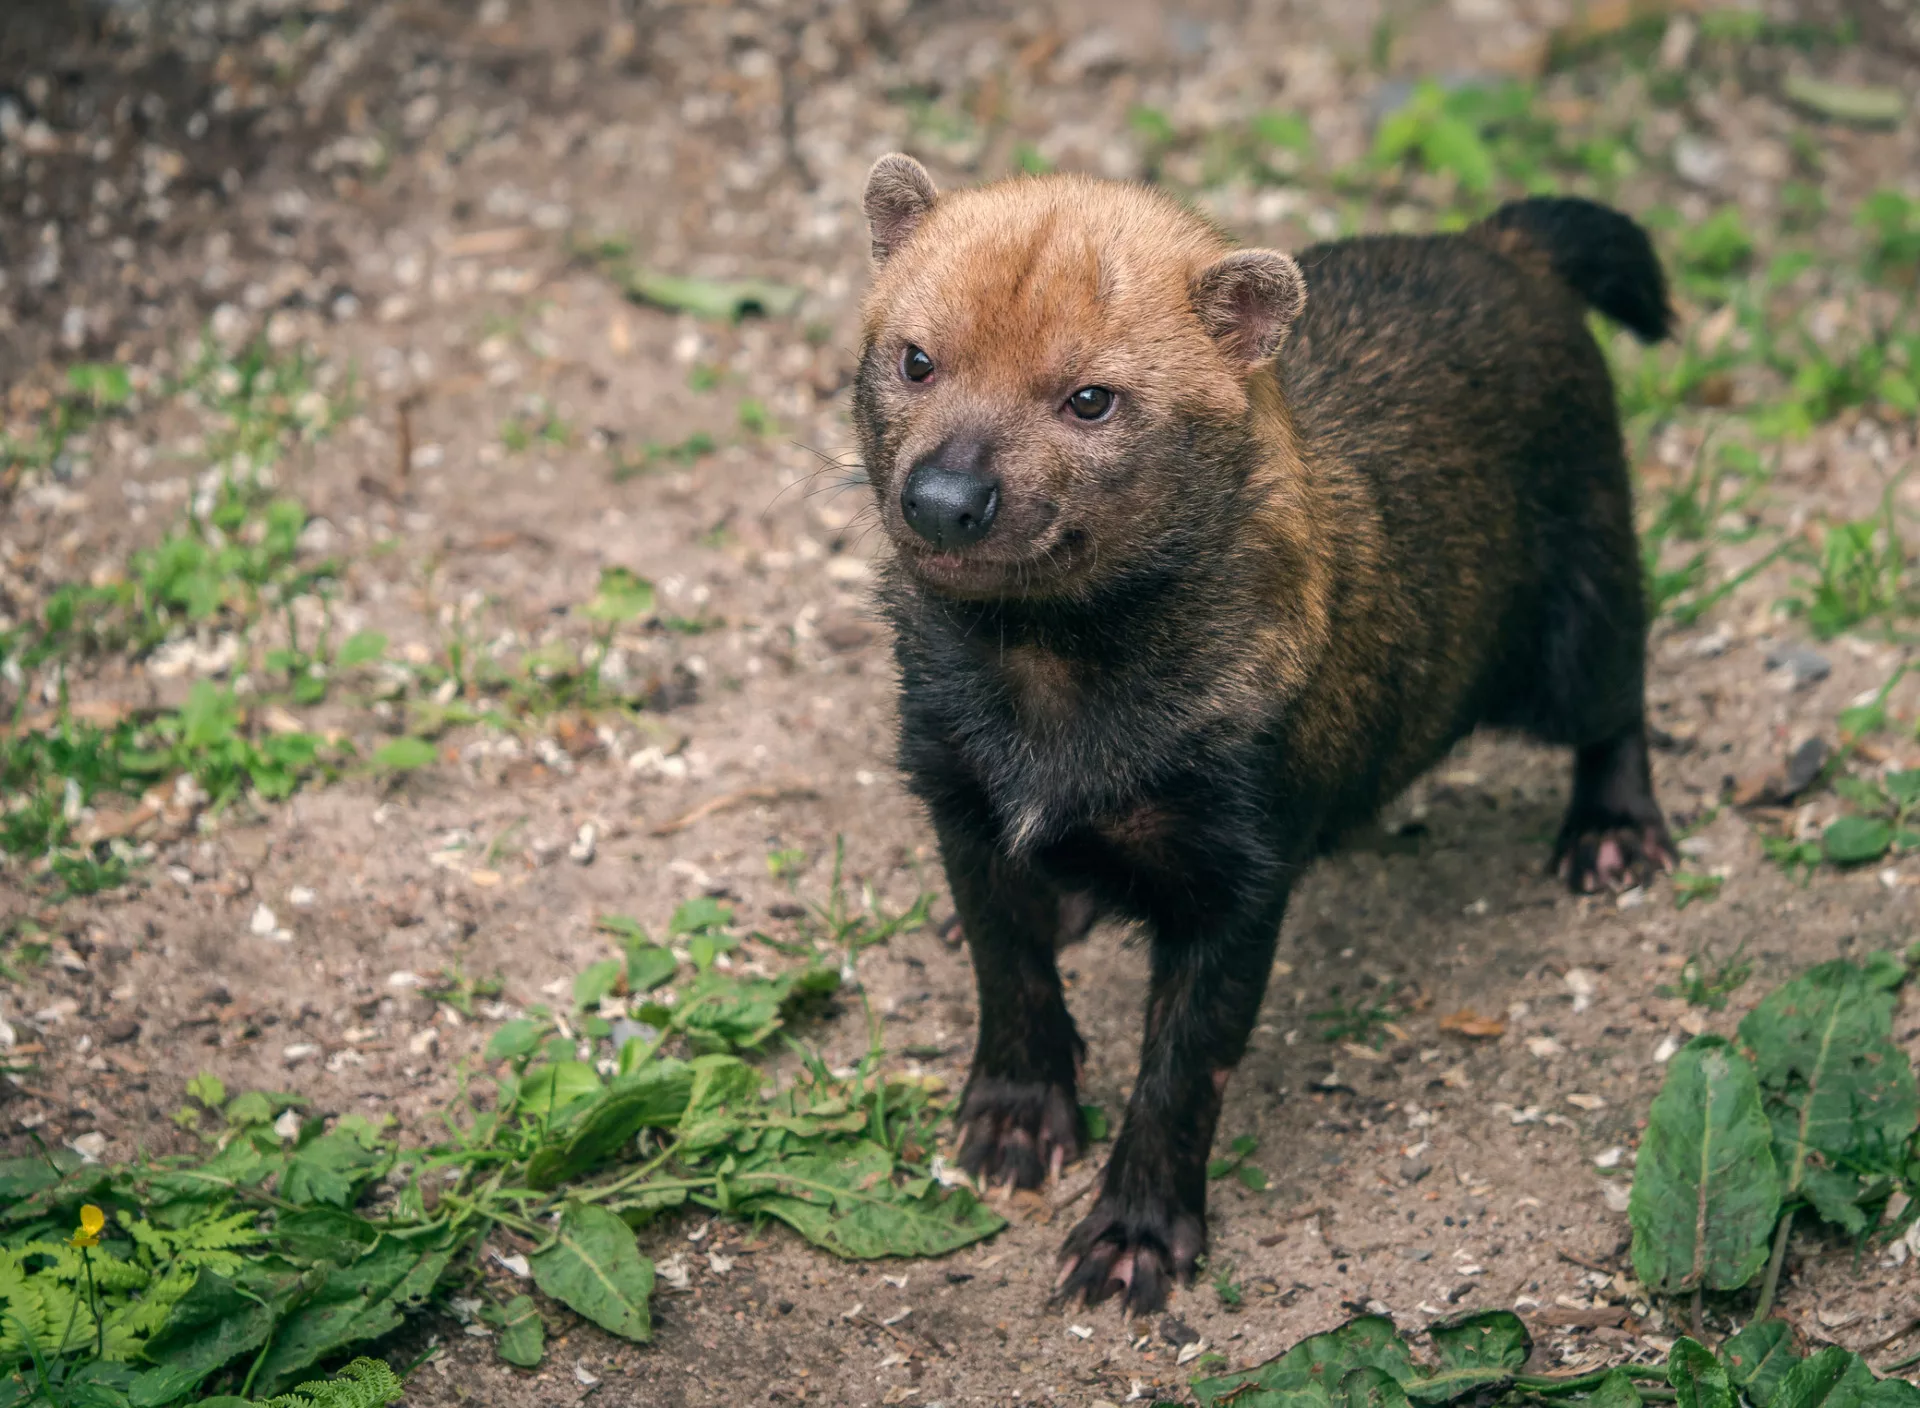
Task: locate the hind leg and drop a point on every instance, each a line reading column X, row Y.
column 1590, row 691
column 1614, row 836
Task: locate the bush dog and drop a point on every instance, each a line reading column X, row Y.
column 1202, row 554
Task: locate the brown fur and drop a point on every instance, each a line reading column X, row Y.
column 1341, row 512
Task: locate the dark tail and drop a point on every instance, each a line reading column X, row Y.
column 1596, row 251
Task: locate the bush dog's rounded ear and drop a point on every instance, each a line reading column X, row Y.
column 899, row 195
column 1248, row 300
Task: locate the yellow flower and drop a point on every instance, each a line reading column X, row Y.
column 92, row 1223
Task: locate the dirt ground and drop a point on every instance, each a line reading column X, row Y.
column 406, row 188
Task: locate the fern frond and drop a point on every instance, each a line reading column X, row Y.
column 365, row 1383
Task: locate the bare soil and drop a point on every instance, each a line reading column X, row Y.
column 407, row 188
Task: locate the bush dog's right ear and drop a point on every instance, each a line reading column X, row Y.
column 1248, row 300
column 899, row 195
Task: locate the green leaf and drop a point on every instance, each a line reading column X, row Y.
column 1306, row 1374
column 208, row 1090
column 731, row 299
column 1840, row 1094
column 328, row 1234
column 1699, row 1380
column 653, row 1097
column 162, row 1385
column 359, row 648
column 1855, row 840
column 332, row 1168
column 594, row 1267
column 1095, row 1120
column 1252, row 1177
column 621, row 597
column 1370, row 1388
column 648, row 966
column 361, row 1301
column 519, row 1037
column 210, row 1325
column 1862, row 104
column 844, row 1200
column 1616, row 1390
column 1486, row 1339
column 404, row 755
column 1838, row 1378
column 1705, row 1190
column 597, row 981
column 522, row 1335
column 253, row 1107
column 699, row 915
column 1758, row 1358
column 549, row 1091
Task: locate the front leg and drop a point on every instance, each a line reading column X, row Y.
column 1020, row 1117
column 1150, row 1224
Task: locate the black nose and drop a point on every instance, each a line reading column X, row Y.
column 949, row 499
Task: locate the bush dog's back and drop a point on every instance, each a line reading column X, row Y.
column 1201, row 555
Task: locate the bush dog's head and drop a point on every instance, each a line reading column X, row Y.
column 1047, row 365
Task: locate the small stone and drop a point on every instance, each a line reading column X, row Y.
column 785, row 1307
column 1413, row 1170
column 1609, row 1158
column 120, row 1030
column 1178, row 1332
column 1807, row 666
column 581, row 852
column 91, row 1147
column 1417, row 1253
column 263, row 922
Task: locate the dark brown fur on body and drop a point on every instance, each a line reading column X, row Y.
column 1207, row 632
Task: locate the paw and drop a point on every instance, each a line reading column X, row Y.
column 1019, row 1131
column 1613, row 858
column 1131, row 1249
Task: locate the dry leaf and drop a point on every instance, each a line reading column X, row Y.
column 1470, row 1023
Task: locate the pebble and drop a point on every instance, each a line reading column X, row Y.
column 120, row 1030
column 1806, row 666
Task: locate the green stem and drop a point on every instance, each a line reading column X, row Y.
column 627, row 1180
column 1772, row 1282
column 1546, row 1384
column 93, row 1303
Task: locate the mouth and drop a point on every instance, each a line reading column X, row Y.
column 971, row 574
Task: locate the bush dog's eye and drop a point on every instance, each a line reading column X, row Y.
column 915, row 365
column 1091, row 402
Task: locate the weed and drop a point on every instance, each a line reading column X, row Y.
column 1231, row 1293
column 1862, row 574
column 1711, row 991
column 1692, row 885
column 1356, row 1022
column 1235, row 1162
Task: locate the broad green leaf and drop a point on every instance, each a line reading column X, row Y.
column 162, row 1385
column 1370, row 1388
column 594, row 1267
column 1699, row 1380
column 653, row 1097
column 1705, row 1189
column 404, row 755
column 354, row 1303
column 519, row 1037
column 1855, row 840
column 208, row 1089
column 844, row 1200
column 722, row 1087
column 522, row 1336
column 1758, row 1358
column 1486, row 1339
column 550, row 1091
column 648, row 966
column 1095, row 1120
column 251, row 1108
column 1616, row 1390
column 1838, row 1378
column 211, row 1324
column 1478, row 1353
column 1312, row 1369
column 597, row 981
column 1840, row 1094
column 359, row 648
column 327, row 1234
